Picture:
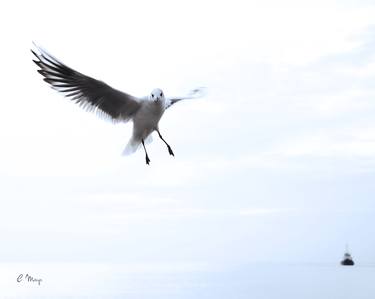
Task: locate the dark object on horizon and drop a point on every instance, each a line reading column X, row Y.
column 347, row 260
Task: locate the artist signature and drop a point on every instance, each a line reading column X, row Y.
column 28, row 278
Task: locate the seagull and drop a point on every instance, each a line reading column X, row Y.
column 96, row 96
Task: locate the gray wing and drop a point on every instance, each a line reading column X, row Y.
column 194, row 94
column 92, row 94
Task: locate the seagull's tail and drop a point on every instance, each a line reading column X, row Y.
column 131, row 147
column 134, row 144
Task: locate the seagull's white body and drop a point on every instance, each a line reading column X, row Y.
column 145, row 121
column 97, row 96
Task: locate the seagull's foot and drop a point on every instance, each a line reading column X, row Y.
column 147, row 160
column 170, row 151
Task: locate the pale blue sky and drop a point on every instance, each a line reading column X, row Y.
column 275, row 164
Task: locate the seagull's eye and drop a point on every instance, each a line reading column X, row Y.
column 152, row 95
column 161, row 94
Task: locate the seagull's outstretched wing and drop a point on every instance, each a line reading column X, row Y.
column 194, row 94
column 92, row 94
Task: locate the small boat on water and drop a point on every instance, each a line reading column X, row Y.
column 347, row 260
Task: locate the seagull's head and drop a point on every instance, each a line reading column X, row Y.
column 157, row 95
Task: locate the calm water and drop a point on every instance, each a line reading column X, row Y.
column 187, row 281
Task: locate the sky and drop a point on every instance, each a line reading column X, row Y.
column 275, row 164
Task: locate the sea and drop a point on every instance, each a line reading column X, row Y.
column 186, row 281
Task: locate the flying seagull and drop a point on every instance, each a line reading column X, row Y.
column 97, row 96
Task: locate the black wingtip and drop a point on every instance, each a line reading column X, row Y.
column 42, row 72
column 36, row 55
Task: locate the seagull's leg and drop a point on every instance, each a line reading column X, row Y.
column 169, row 148
column 147, row 158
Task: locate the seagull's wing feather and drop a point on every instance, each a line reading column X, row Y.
column 194, row 94
column 92, row 94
